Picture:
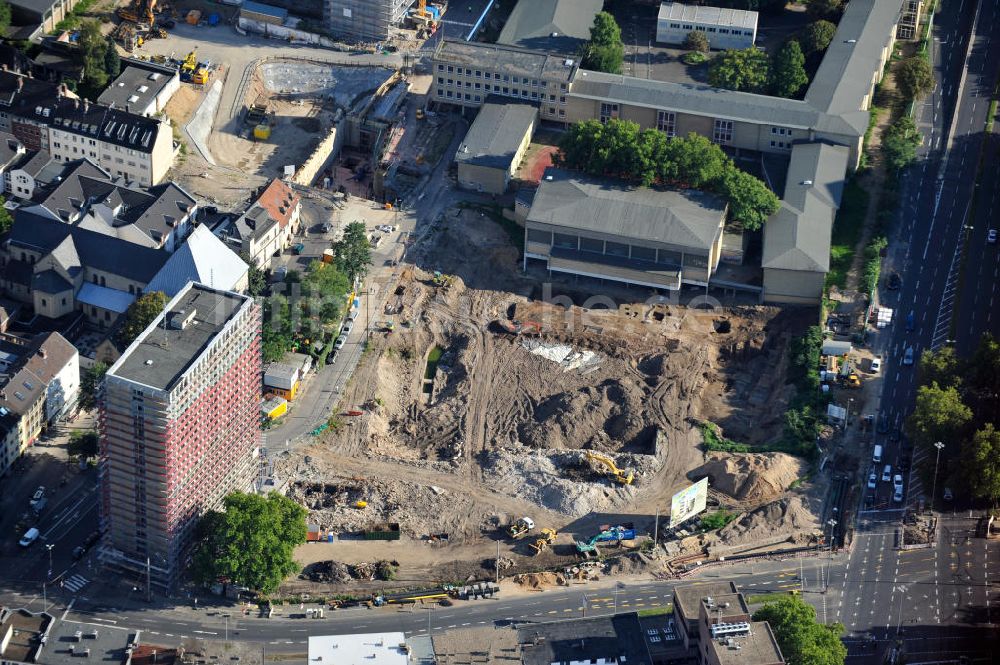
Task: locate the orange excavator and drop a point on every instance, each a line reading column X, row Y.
column 138, row 11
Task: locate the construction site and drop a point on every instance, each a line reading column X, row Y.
column 483, row 415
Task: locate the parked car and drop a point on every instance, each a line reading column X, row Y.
column 30, row 536
column 876, row 365
column 948, row 496
column 872, row 479
column 345, row 330
column 887, row 473
column 894, row 282
column 897, row 482
column 339, row 344
column 39, row 493
column 897, row 495
column 78, row 552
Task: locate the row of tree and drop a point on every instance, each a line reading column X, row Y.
column 900, row 140
column 621, row 149
column 752, row 70
column 958, row 404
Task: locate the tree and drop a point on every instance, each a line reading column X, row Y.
column 983, row 467
column 694, row 160
column 578, row 145
column 617, row 149
column 6, row 220
column 822, row 9
column 696, row 40
column 745, row 70
column 750, row 201
column 93, row 48
column 788, row 72
column 914, row 77
column 938, row 414
column 4, row 17
column 112, row 62
column 817, row 36
column 605, row 51
column 900, row 141
column 325, row 287
column 352, row 254
column 940, row 367
column 140, row 314
column 83, row 444
column 251, row 543
column 801, row 639
column 256, row 279
column 90, row 384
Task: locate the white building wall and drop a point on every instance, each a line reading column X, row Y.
column 63, row 391
column 675, row 31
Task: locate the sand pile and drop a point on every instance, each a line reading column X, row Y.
column 756, row 477
column 771, row 523
column 540, row 580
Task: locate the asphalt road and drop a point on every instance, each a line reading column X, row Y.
column 936, row 197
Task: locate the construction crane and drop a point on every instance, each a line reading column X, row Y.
column 621, row 475
column 548, row 536
column 521, row 527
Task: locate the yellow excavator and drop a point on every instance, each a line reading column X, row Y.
column 548, row 536
column 138, row 11
column 621, row 475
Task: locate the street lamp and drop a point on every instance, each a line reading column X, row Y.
column 829, row 566
column 937, row 459
column 49, row 547
column 850, row 404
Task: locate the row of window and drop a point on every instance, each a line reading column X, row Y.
column 611, row 248
column 500, row 90
column 721, row 31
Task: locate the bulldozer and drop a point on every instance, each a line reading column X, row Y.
column 521, row 527
column 548, row 536
column 620, row 475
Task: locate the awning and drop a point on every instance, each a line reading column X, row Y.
column 105, row 298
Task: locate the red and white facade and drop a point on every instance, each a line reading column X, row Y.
column 172, row 449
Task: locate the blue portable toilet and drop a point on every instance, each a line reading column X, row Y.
column 213, row 19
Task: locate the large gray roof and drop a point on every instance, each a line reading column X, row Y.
column 496, row 134
column 510, row 59
column 846, row 74
column 162, row 354
column 580, row 203
column 137, row 85
column 797, row 237
column 559, row 26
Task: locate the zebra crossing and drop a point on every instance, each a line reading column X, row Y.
column 75, row 583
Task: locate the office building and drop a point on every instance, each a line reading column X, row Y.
column 364, row 19
column 180, row 428
column 725, row 28
column 494, row 146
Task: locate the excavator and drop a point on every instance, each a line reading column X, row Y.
column 608, row 534
column 514, row 327
column 138, row 11
column 521, row 527
column 548, row 536
column 621, row 475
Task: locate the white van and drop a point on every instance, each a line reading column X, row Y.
column 30, row 536
column 877, row 455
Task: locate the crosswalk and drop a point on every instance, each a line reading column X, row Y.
column 75, row 583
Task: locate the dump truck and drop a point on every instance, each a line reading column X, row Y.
column 520, row 527
column 620, row 475
column 548, row 536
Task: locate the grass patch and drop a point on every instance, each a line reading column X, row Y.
column 72, row 20
column 846, row 231
column 798, row 482
column 760, row 598
column 717, row 520
column 657, row 611
column 713, row 440
column 694, row 58
column 991, row 116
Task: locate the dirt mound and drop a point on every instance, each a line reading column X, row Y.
column 756, row 477
column 784, row 519
column 605, row 417
column 540, row 580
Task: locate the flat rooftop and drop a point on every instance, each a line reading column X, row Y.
column 758, row 647
column 359, row 649
column 496, row 134
column 736, row 18
column 515, row 61
column 162, row 353
column 687, row 598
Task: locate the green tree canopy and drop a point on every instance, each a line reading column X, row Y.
column 914, row 77
column 750, row 201
column 696, row 40
column 788, row 72
column 4, row 17
column 605, row 51
column 745, row 70
column 817, row 36
column 93, row 48
column 822, row 9
column 6, row 219
column 802, row 640
column 938, row 415
column 90, row 383
column 256, row 279
column 140, row 314
column 326, row 288
column 352, row 254
column 941, row 367
column 277, row 334
column 900, row 141
column 112, row 61
column 696, row 161
column 251, row 543
column 983, row 468
column 83, row 444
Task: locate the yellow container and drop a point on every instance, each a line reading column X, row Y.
column 262, row 132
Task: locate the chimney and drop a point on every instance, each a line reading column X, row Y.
column 42, row 353
column 20, row 83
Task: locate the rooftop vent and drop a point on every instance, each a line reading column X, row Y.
column 554, row 34
column 149, row 362
column 851, row 41
column 806, row 183
column 723, row 629
column 181, row 319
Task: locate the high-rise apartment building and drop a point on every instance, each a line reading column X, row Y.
column 364, row 19
column 180, row 428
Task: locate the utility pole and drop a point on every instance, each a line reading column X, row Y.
column 149, row 582
column 498, row 563
column 937, row 459
column 656, row 529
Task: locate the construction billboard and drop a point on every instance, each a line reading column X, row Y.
column 688, row 502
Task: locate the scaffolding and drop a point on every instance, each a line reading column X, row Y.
column 364, row 19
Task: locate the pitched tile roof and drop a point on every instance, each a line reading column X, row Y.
column 279, row 200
